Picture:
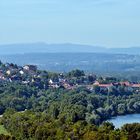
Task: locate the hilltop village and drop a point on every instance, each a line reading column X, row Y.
column 30, row 75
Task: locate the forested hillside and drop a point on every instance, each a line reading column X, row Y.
column 37, row 104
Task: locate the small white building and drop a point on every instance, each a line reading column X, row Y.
column 30, row 67
column 21, row 72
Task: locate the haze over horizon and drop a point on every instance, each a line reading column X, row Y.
column 94, row 22
column 27, row 44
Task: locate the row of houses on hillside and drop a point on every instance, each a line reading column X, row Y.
column 127, row 84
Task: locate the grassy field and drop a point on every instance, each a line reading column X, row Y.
column 3, row 130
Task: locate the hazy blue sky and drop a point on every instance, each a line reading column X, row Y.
column 110, row 23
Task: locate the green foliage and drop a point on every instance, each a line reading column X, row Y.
column 73, row 105
column 76, row 73
column 3, row 130
column 39, row 126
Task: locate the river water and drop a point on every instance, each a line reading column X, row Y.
column 119, row 121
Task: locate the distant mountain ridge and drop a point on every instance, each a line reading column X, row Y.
column 63, row 48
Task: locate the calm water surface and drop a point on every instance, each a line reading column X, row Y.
column 119, row 121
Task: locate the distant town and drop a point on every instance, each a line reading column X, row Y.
column 30, row 75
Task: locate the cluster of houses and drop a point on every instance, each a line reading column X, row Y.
column 11, row 72
column 29, row 74
column 126, row 84
column 62, row 82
